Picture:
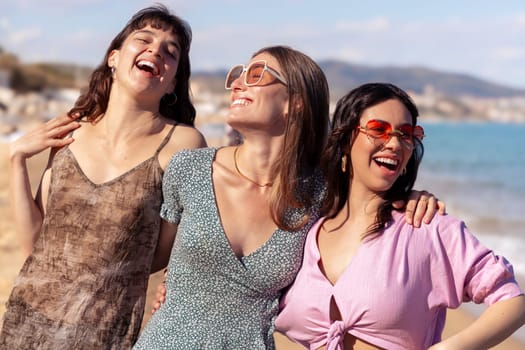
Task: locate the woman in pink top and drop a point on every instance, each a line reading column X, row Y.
column 370, row 280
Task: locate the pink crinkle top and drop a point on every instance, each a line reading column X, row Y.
column 395, row 291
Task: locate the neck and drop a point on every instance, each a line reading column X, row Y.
column 246, row 169
column 358, row 213
column 124, row 124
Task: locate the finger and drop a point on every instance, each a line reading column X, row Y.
column 411, row 205
column 398, row 204
column 442, row 208
column 60, row 120
column 57, row 143
column 61, row 130
column 430, row 210
column 66, row 130
column 161, row 288
column 155, row 307
column 420, row 209
column 160, row 297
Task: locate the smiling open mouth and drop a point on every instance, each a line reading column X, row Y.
column 148, row 66
column 388, row 163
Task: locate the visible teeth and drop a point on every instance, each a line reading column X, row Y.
column 241, row 102
column 151, row 65
column 387, row 161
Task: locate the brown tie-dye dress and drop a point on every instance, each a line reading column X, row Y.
column 84, row 285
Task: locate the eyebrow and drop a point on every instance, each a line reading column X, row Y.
column 146, row 31
column 384, row 121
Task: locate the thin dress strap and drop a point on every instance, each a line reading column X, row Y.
column 165, row 141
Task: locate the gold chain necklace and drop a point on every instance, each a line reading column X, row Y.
column 268, row 184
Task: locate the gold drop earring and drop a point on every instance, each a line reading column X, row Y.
column 344, row 163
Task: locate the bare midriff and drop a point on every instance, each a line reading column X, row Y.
column 353, row 343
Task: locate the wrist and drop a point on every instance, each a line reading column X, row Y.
column 15, row 156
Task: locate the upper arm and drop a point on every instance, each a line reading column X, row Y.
column 167, row 234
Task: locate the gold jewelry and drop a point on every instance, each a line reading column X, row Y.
column 268, row 184
column 344, row 163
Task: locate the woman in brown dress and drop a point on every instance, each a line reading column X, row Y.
column 91, row 233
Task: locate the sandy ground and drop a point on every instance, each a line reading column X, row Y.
column 11, row 260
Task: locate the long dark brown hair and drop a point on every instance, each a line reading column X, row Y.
column 94, row 102
column 305, row 133
column 345, row 121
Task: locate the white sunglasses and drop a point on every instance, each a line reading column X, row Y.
column 255, row 74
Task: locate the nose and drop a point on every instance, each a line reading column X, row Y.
column 155, row 49
column 398, row 143
column 238, row 83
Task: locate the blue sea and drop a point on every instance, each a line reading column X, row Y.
column 478, row 170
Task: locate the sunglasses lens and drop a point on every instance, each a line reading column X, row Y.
column 406, row 132
column 378, row 129
column 233, row 74
column 254, row 73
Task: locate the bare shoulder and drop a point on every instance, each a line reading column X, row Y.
column 183, row 137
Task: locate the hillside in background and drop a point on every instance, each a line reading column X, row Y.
column 28, row 77
column 343, row 76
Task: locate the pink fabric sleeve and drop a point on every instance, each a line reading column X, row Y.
column 475, row 272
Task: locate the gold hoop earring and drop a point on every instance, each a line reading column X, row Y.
column 344, row 163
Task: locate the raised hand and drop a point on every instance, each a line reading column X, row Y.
column 421, row 207
column 51, row 134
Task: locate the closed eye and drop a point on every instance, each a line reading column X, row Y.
column 173, row 52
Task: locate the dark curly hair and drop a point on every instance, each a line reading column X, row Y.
column 94, row 102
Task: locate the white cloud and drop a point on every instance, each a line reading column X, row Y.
column 23, row 36
column 374, row 25
column 509, row 53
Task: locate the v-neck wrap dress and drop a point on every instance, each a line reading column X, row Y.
column 214, row 299
column 84, row 285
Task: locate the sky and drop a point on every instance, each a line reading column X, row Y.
column 482, row 38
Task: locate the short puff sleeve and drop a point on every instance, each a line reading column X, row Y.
column 171, row 208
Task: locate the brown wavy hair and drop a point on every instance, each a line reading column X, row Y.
column 345, row 121
column 93, row 103
column 305, row 133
